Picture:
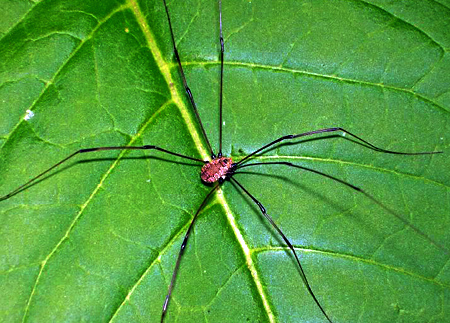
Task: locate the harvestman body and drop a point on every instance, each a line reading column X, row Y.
column 220, row 169
column 217, row 169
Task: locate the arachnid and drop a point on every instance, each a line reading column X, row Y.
column 97, row 239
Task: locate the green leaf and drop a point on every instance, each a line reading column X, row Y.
column 97, row 238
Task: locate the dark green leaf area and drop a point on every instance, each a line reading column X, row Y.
column 47, row 34
column 350, row 277
column 328, row 221
column 19, row 94
column 349, row 222
column 212, row 274
column 16, row 286
column 13, row 11
column 91, row 78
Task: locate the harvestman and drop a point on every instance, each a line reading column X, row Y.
column 220, row 169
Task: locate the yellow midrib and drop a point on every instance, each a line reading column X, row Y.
column 184, row 110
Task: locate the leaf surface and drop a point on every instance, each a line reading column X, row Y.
column 97, row 239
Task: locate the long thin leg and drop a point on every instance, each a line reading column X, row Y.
column 180, row 254
column 263, row 211
column 309, row 133
column 360, row 190
column 88, row 150
column 183, row 77
column 222, row 50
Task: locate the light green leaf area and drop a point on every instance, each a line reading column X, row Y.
column 97, row 238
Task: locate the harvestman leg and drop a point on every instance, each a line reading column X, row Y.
column 286, row 240
column 180, row 254
column 360, row 190
column 335, row 129
column 222, row 50
column 88, row 150
column 183, row 77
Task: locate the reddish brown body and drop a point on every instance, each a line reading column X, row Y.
column 216, row 169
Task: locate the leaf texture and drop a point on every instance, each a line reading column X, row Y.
column 97, row 239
